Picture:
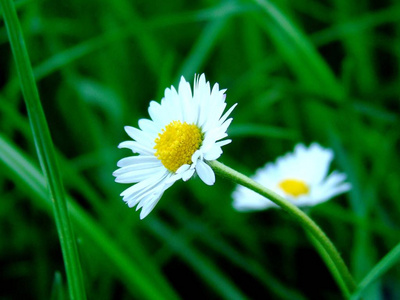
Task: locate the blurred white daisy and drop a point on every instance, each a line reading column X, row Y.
column 300, row 177
column 184, row 132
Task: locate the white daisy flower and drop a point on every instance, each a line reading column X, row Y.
column 184, row 132
column 300, row 177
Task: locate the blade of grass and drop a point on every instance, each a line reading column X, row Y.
column 45, row 151
column 388, row 261
column 302, row 57
column 356, row 25
column 358, row 46
column 229, row 8
column 67, row 56
column 202, row 48
column 17, row 5
column 334, row 211
column 76, row 52
column 57, row 292
column 146, row 42
column 26, row 174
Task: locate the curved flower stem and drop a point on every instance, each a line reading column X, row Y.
column 335, row 263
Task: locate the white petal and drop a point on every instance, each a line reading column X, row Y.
column 155, row 110
column 218, row 133
column 173, row 105
column 184, row 89
column 223, row 143
column 149, row 126
column 245, row 199
column 188, row 174
column 141, row 137
column 174, row 177
column 138, row 175
column 196, row 155
column 149, row 207
column 137, row 148
column 226, row 115
column 334, row 178
column 149, row 201
column 205, row 172
column 315, row 160
column 141, row 186
column 213, row 153
column 138, row 166
column 158, row 114
column 182, row 169
column 126, row 161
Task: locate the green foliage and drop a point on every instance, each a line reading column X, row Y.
column 300, row 71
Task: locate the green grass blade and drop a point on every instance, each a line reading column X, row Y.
column 202, row 48
column 45, row 151
column 356, row 25
column 151, row 50
column 302, row 57
column 57, row 291
column 388, row 261
column 130, row 273
column 76, row 52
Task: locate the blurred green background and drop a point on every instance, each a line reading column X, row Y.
column 300, row 71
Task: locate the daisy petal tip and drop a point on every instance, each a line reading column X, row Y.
column 143, row 215
column 346, row 187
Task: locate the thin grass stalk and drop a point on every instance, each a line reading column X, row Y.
column 45, row 150
column 388, row 261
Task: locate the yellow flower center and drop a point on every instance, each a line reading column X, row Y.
column 176, row 144
column 294, row 187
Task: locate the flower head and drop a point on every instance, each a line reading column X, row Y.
column 300, row 177
column 185, row 131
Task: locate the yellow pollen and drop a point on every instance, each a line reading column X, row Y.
column 176, row 144
column 294, row 187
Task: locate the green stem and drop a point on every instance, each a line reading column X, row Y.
column 45, row 150
column 335, row 262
